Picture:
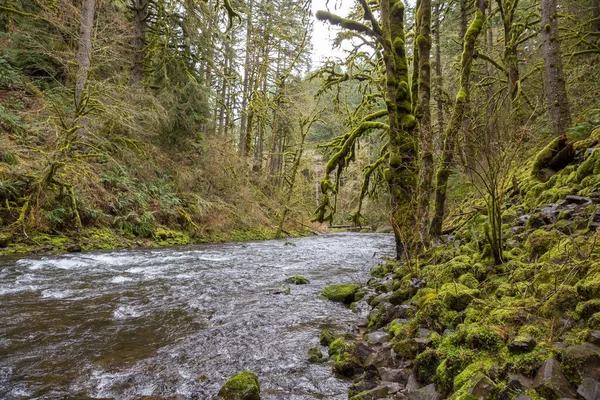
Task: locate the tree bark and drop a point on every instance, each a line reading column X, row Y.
column 140, row 14
column 245, row 82
column 556, row 92
column 438, row 74
column 423, row 114
column 84, row 52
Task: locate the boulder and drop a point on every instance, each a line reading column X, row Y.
column 377, row 337
column 522, row 344
column 393, row 375
column 584, row 359
column 341, row 292
column 242, row 386
column 426, row 393
column 412, row 385
column 522, row 397
column 594, row 337
column 378, row 392
column 550, row 382
column 589, row 389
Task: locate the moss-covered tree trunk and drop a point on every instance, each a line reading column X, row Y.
column 454, row 125
column 246, row 80
column 438, row 74
column 423, row 114
column 556, row 92
column 401, row 173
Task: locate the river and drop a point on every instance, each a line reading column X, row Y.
column 175, row 323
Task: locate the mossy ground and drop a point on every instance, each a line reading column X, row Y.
column 108, row 239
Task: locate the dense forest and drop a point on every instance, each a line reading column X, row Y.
column 467, row 128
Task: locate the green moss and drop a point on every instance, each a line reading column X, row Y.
column 338, row 346
column 457, row 297
column 528, row 363
column 586, row 309
column 565, row 299
column 594, row 321
column 326, row 337
column 426, row 365
column 315, row 355
column 478, row 337
column 242, row 386
column 480, row 366
column 399, row 296
column 435, row 314
column 455, row 361
column 589, row 287
column 342, row 293
column 469, row 281
column 297, row 280
column 540, row 241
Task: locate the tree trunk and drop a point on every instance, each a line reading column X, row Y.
column 84, row 51
column 453, row 128
column 245, row 82
column 423, row 114
column 438, row 75
column 401, row 176
column 556, row 93
column 140, row 13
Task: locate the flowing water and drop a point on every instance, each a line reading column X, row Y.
column 176, row 323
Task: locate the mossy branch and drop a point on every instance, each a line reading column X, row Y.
column 345, row 23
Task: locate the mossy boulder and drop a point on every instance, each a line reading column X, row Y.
column 469, row 280
column 457, row 297
column 480, row 337
column 589, row 287
column 565, row 299
column 540, row 241
column 315, row 355
column 297, row 280
column 426, row 364
column 342, row 292
column 326, row 337
column 242, row 386
column 587, row 309
column 345, row 358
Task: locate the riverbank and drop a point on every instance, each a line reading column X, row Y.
column 110, row 239
column 458, row 324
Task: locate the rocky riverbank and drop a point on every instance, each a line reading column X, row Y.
column 457, row 325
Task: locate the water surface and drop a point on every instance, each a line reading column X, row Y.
column 176, row 323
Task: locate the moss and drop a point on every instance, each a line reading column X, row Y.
column 338, row 346
column 426, row 365
column 399, row 296
column 457, row 297
column 242, row 386
column 342, row 293
column 469, row 280
column 435, row 314
column 297, row 280
column 594, row 321
column 454, row 363
column 540, row 241
column 478, row 337
column 481, row 366
column 315, row 355
column 326, row 337
column 528, row 363
column 589, row 287
column 399, row 330
column 586, row 309
column 565, row 299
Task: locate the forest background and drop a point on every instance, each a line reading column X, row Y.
column 144, row 122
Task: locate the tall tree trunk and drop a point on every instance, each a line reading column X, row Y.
column 84, row 51
column 402, row 177
column 453, row 128
column 140, row 14
column 438, row 74
column 511, row 61
column 245, row 82
column 423, row 114
column 556, row 93
column 414, row 89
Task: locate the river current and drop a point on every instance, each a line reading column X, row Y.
column 176, row 323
